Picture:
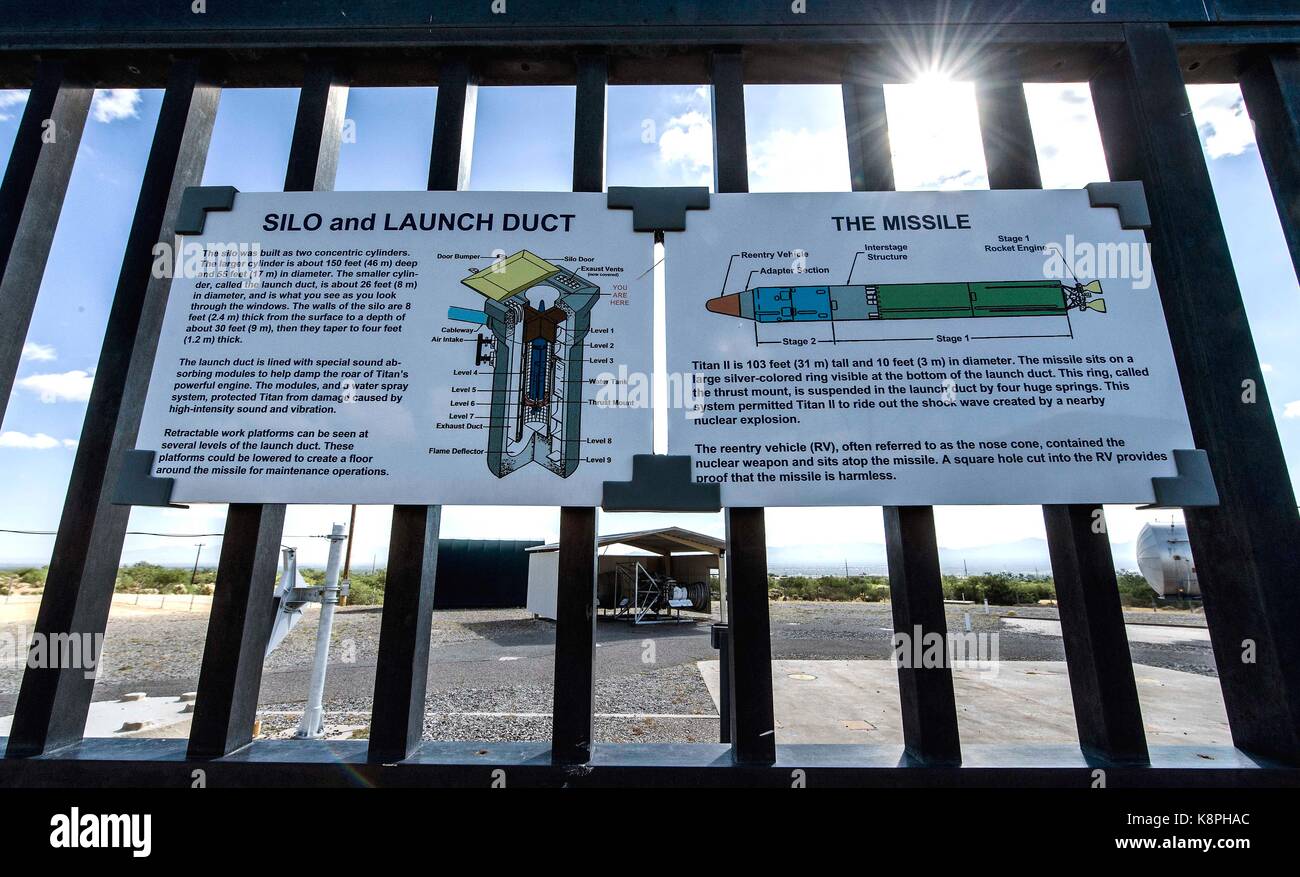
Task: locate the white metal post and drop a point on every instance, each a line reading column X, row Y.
column 313, row 717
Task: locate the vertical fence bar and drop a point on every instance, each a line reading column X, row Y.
column 572, row 722
column 749, row 671
column 53, row 701
column 915, row 584
column 1271, row 86
column 230, row 678
column 453, row 125
column 240, row 623
column 871, row 167
column 402, row 665
column 1248, row 548
column 1106, row 708
column 589, row 124
column 402, row 668
column 31, row 197
column 573, row 705
column 1007, row 135
column 930, row 734
column 318, row 127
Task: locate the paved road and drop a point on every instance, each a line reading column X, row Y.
column 509, row 651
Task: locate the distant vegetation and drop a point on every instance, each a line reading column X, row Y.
column 150, row 578
column 1000, row 589
column 19, row 580
column 866, row 589
column 367, row 587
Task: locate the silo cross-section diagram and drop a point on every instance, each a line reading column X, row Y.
column 538, row 314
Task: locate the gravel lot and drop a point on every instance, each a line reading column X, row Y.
column 490, row 670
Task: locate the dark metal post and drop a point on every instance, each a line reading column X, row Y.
column 915, row 585
column 1271, row 86
column 318, row 128
column 53, row 701
column 871, row 167
column 1248, row 548
column 242, row 607
column 748, row 673
column 573, row 707
column 453, row 118
column 720, row 639
column 31, row 197
column 238, row 628
column 589, row 124
column 753, row 725
column 402, row 666
column 1106, row 708
column 1007, row 135
column 930, row 734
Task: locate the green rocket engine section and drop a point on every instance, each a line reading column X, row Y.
column 537, row 360
column 908, row 301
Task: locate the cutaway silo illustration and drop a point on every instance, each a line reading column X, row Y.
column 538, row 314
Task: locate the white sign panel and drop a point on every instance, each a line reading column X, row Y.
column 920, row 348
column 423, row 347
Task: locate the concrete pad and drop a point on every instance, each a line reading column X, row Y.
column 1137, row 633
column 1015, row 702
column 142, row 717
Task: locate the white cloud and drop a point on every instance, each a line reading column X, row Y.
column 687, row 142
column 800, row 161
column 1220, row 114
column 38, row 442
column 1291, row 411
column 10, row 99
column 1265, row 367
column 934, row 136
column 38, row 352
column 1069, row 147
column 70, row 386
column 112, row 104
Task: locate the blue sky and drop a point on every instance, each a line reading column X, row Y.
column 656, row 136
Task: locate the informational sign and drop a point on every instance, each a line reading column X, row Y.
column 402, row 348
column 919, row 348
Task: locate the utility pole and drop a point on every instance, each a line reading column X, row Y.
column 194, row 572
column 313, row 716
column 347, row 558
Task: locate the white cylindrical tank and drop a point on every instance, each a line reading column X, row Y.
column 1164, row 556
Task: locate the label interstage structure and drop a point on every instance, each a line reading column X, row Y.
column 920, row 348
column 415, row 348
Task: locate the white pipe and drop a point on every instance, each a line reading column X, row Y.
column 313, row 717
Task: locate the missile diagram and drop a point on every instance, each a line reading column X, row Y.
column 536, row 351
column 908, row 301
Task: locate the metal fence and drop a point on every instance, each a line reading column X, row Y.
column 1137, row 57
